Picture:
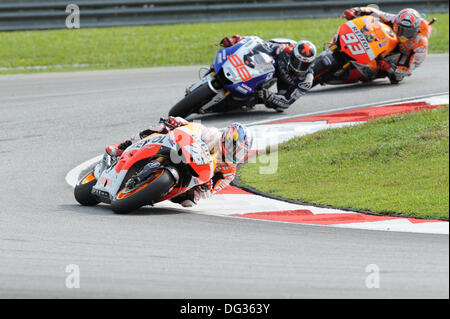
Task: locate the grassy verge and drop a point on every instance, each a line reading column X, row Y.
column 163, row 45
column 393, row 165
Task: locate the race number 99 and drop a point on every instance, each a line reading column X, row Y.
column 240, row 67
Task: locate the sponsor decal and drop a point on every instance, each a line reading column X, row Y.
column 362, row 39
column 241, row 90
column 105, row 181
column 269, row 76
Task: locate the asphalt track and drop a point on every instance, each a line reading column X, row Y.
column 50, row 123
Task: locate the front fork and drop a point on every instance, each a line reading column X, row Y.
column 214, row 86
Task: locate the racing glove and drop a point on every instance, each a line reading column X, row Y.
column 173, row 122
column 282, row 47
column 352, row 13
column 230, row 41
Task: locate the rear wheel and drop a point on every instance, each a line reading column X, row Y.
column 192, row 102
column 151, row 190
column 83, row 190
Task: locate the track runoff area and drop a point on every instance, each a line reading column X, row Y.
column 235, row 202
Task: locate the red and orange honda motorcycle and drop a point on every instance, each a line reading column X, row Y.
column 157, row 168
column 353, row 53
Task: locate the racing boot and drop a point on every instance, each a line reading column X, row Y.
column 117, row 149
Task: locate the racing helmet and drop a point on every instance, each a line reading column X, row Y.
column 236, row 143
column 302, row 56
column 407, row 23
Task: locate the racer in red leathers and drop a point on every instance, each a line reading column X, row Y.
column 232, row 144
column 293, row 72
column 413, row 33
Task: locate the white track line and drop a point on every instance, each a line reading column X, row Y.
column 382, row 103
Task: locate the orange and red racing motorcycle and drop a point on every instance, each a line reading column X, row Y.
column 157, row 168
column 353, row 53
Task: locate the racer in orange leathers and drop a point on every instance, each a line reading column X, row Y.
column 232, row 144
column 413, row 33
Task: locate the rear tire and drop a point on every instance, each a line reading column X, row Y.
column 145, row 196
column 192, row 102
column 83, row 193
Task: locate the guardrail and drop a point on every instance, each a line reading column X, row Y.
column 51, row 14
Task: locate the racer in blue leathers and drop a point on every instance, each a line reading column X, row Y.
column 293, row 72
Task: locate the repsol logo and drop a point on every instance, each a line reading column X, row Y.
column 362, row 38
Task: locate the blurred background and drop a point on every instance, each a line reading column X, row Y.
column 50, row 14
column 52, row 35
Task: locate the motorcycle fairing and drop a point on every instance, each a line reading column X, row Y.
column 245, row 65
column 366, row 38
column 354, row 43
column 195, row 151
column 110, row 175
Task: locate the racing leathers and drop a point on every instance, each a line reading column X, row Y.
column 413, row 51
column 224, row 173
column 290, row 85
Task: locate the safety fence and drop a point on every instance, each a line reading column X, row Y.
column 55, row 14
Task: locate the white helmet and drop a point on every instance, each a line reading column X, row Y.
column 302, row 56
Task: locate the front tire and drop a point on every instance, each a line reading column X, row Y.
column 146, row 193
column 83, row 190
column 192, row 102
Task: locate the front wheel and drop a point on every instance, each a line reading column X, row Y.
column 156, row 186
column 192, row 102
column 83, row 190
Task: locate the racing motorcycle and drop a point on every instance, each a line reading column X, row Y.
column 157, row 168
column 232, row 80
column 352, row 54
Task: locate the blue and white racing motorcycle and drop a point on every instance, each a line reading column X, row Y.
column 232, row 81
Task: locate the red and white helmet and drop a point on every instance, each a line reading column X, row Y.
column 407, row 23
column 236, row 143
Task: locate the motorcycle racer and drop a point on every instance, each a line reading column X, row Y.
column 413, row 33
column 293, row 72
column 232, row 144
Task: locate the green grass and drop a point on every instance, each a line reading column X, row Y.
column 163, row 45
column 393, row 165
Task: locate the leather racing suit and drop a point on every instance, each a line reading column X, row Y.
column 413, row 51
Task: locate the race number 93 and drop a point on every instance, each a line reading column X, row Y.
column 351, row 38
